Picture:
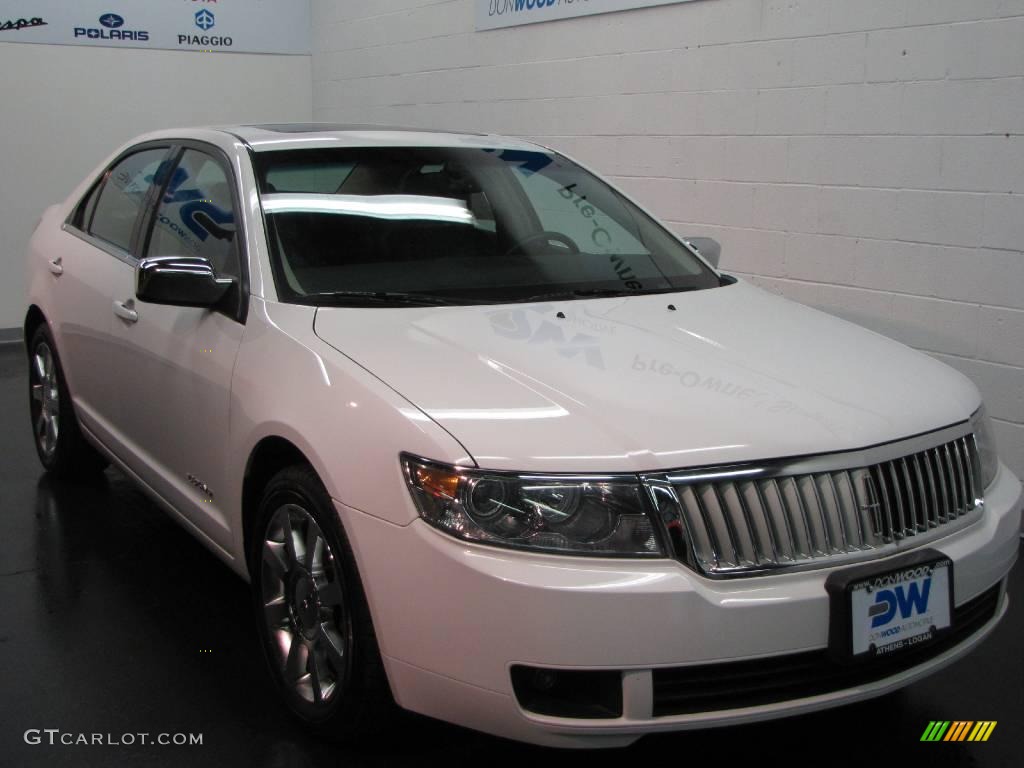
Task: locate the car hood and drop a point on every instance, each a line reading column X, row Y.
column 629, row 384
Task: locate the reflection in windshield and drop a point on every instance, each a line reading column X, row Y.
column 464, row 224
column 407, row 207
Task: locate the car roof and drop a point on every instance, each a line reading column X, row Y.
column 284, row 136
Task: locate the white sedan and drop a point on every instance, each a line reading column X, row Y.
column 492, row 444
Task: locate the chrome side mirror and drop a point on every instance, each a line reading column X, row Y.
column 181, row 281
column 706, row 247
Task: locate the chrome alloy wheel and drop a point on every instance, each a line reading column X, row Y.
column 45, row 399
column 304, row 606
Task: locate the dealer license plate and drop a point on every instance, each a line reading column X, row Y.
column 881, row 613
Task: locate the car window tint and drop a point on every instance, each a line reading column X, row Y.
column 196, row 215
column 122, row 196
column 322, row 178
column 84, row 210
column 466, row 223
column 586, row 218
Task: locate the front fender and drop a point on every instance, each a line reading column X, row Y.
column 349, row 424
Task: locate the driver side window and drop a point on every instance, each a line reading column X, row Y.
column 196, row 215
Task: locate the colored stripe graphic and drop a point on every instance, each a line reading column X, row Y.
column 982, row 730
column 935, row 730
column 958, row 730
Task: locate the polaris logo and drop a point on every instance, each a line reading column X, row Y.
column 111, row 30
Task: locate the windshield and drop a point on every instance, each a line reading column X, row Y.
column 458, row 225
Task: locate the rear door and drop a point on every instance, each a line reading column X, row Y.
column 177, row 362
column 99, row 240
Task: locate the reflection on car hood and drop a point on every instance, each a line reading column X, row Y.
column 626, row 384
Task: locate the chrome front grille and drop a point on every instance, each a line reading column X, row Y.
column 744, row 519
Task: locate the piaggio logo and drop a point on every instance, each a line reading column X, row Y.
column 205, row 20
column 959, row 730
column 906, row 601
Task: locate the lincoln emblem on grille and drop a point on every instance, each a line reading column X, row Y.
column 872, row 504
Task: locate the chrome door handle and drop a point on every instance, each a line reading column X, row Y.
column 126, row 310
column 55, row 266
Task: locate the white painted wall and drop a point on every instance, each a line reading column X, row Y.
column 863, row 156
column 65, row 108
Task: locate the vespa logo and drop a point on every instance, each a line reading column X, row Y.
column 205, row 20
column 913, row 599
column 112, row 20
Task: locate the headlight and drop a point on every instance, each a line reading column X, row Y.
column 599, row 515
column 982, row 427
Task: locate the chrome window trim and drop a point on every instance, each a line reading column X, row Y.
column 109, row 248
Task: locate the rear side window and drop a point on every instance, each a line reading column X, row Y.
column 122, row 196
column 83, row 214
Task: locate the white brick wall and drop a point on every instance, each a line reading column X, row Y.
column 863, row 156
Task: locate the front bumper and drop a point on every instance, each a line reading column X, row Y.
column 453, row 618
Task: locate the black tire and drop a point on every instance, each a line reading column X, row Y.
column 317, row 608
column 59, row 443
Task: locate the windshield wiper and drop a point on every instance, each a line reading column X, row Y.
column 393, row 297
column 582, row 293
column 578, row 293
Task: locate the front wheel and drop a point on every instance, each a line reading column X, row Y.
column 59, row 442
column 313, row 618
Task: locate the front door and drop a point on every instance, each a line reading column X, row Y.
column 175, row 363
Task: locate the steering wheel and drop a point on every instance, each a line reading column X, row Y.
column 547, row 235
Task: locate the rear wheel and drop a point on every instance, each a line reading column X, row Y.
column 313, row 619
column 58, row 440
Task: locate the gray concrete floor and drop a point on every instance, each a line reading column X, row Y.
column 114, row 620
